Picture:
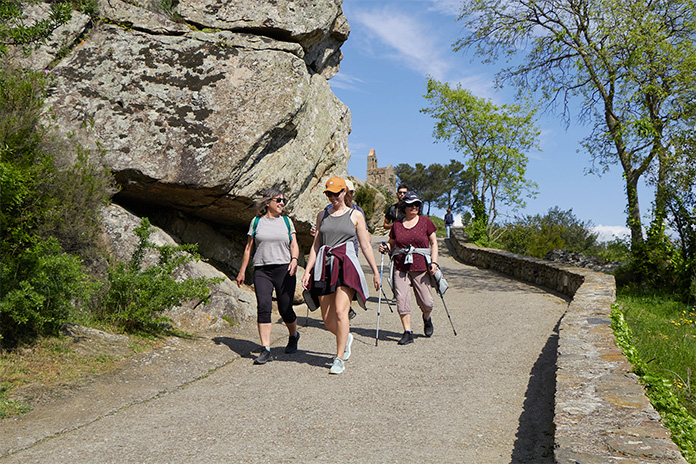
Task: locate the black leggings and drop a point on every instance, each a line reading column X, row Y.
column 266, row 278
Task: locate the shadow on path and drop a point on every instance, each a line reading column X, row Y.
column 535, row 436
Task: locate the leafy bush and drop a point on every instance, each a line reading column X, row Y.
column 365, row 197
column 39, row 287
column 478, row 230
column 440, row 224
column 537, row 235
column 44, row 212
column 618, row 249
column 137, row 296
column 14, row 30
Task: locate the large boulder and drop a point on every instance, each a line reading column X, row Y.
column 197, row 106
column 203, row 122
column 202, row 108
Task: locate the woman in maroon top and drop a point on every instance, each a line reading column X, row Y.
column 413, row 246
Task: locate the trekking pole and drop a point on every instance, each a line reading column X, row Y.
column 434, row 283
column 386, row 298
column 379, row 298
column 448, row 314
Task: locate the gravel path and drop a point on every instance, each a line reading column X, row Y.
column 483, row 396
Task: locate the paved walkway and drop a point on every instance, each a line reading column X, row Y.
column 483, row 396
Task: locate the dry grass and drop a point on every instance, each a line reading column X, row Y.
column 50, row 364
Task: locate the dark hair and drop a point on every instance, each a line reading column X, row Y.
column 266, row 196
column 401, row 186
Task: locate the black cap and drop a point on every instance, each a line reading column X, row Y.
column 411, row 198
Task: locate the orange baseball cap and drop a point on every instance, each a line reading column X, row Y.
column 335, row 185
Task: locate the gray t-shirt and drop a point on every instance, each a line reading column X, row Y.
column 336, row 230
column 271, row 240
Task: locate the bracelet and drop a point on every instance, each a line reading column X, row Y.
column 293, row 258
column 435, row 264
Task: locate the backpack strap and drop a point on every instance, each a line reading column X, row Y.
column 287, row 224
column 255, row 224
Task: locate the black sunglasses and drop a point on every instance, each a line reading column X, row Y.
column 402, row 193
column 279, row 200
column 332, row 194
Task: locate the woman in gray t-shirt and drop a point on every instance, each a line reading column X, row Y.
column 275, row 263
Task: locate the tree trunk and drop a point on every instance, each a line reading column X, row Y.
column 633, row 209
column 661, row 194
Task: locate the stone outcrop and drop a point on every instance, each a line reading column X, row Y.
column 197, row 106
column 200, row 109
column 318, row 26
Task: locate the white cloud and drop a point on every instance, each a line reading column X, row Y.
column 480, row 85
column 345, row 81
column 447, row 7
column 409, row 39
column 609, row 233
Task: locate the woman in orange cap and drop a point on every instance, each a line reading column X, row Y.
column 333, row 272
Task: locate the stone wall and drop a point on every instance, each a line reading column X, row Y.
column 601, row 412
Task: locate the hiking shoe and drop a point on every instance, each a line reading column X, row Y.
column 346, row 353
column 428, row 326
column 337, row 366
column 292, row 343
column 264, row 357
column 351, row 313
column 406, row 338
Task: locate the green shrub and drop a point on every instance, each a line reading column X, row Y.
column 14, row 29
column 365, row 198
column 137, row 296
column 440, row 224
column 477, row 230
column 48, row 216
column 618, row 249
column 537, row 235
column 40, row 285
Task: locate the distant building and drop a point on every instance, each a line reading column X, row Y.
column 380, row 177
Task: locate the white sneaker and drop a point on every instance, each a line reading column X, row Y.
column 349, row 342
column 337, row 366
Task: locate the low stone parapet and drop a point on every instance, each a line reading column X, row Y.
column 601, row 412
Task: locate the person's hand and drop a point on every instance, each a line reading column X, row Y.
column 292, row 267
column 305, row 279
column 377, row 283
column 313, row 231
column 383, row 247
column 240, row 278
column 433, row 268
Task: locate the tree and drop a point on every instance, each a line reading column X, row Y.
column 418, row 180
column 443, row 185
column 493, row 140
column 456, row 194
column 631, row 62
column 681, row 214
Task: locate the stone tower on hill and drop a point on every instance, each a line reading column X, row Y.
column 380, row 177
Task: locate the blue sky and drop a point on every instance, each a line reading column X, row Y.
column 393, row 46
